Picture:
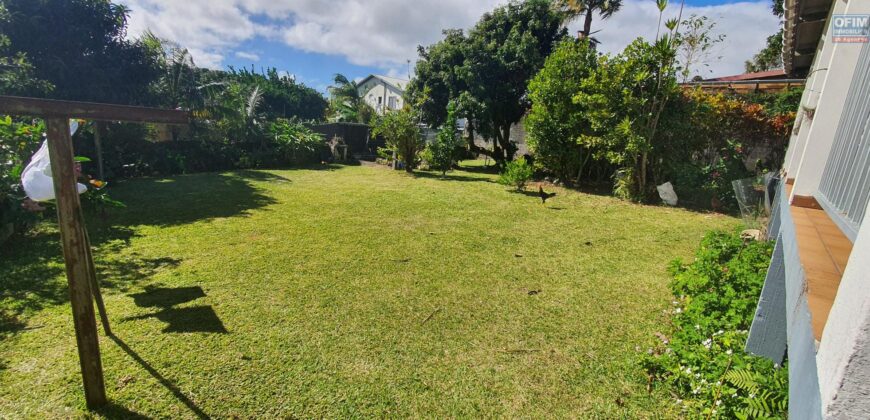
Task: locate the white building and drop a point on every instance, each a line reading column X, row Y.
column 383, row 92
column 815, row 304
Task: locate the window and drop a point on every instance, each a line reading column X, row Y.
column 392, row 103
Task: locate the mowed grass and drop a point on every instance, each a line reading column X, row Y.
column 351, row 292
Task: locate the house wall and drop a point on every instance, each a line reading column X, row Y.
column 829, row 378
column 374, row 88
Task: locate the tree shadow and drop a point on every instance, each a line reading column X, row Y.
column 450, row 177
column 261, row 176
column 178, row 320
column 188, row 198
column 32, row 268
column 119, row 412
column 492, row 169
column 30, row 278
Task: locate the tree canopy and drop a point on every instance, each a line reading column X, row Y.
column 488, row 70
column 79, row 47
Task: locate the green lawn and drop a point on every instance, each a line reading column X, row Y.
column 351, row 292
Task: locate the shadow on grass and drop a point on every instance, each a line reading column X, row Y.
column 32, row 276
column 188, row 198
column 450, row 177
column 31, row 265
column 114, row 411
column 178, row 320
column 480, row 169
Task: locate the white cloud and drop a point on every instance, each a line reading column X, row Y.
column 247, row 55
column 385, row 33
column 746, row 27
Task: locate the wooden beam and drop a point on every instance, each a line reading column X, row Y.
column 76, row 254
column 90, row 111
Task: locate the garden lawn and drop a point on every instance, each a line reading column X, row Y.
column 351, row 292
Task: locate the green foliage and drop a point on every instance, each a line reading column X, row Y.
column 445, row 150
column 573, row 9
column 516, row 173
column 695, row 45
column 703, row 360
column 401, row 133
column 346, row 104
column 487, row 71
column 556, row 123
column 17, row 75
column 282, row 97
column 769, row 58
column 80, row 48
column 296, row 142
column 624, row 99
column 18, row 141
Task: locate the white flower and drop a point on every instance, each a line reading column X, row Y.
column 751, row 395
column 729, row 352
column 678, row 310
column 718, row 402
column 688, row 370
column 721, row 332
column 697, row 327
column 719, row 383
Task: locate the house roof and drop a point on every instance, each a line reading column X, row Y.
column 802, row 28
column 759, row 75
column 395, row 82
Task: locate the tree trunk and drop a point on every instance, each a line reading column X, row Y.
column 587, row 25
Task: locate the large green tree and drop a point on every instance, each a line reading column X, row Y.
column 80, row 47
column 487, row 71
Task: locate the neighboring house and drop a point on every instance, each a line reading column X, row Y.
column 383, row 93
column 815, row 304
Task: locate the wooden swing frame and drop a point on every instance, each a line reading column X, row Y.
column 80, row 272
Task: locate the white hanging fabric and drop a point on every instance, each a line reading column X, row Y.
column 36, row 178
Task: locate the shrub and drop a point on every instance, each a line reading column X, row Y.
column 295, row 142
column 516, row 174
column 556, row 122
column 400, row 130
column 443, row 153
column 703, row 360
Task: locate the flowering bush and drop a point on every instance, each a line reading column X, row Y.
column 704, row 360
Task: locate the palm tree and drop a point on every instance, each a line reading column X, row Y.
column 572, row 9
column 346, row 104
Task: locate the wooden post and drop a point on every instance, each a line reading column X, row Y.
column 76, row 252
column 98, row 146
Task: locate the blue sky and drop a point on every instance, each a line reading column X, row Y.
column 314, row 39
